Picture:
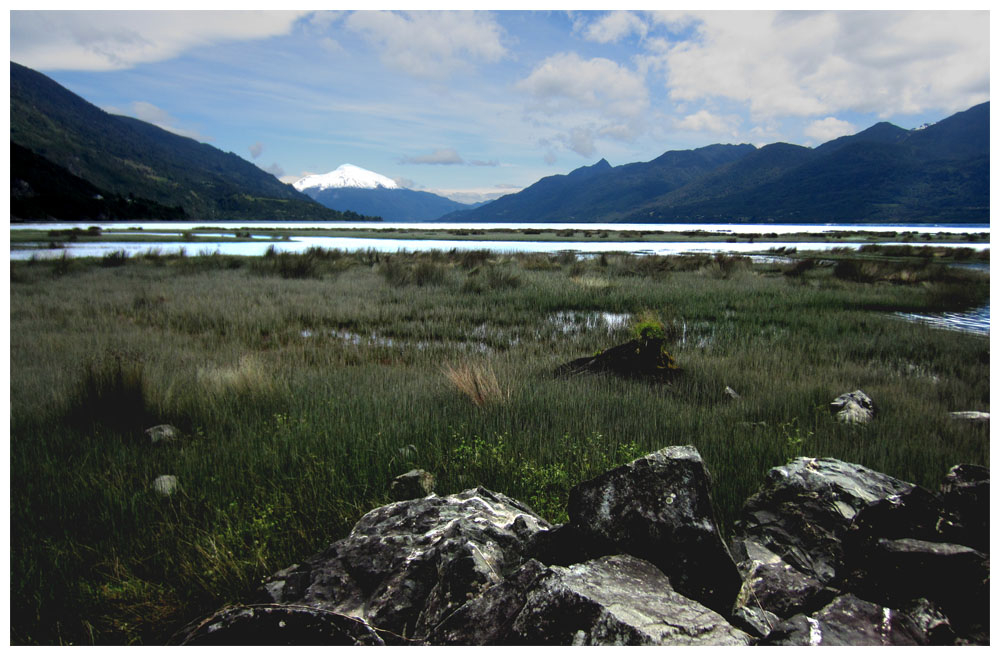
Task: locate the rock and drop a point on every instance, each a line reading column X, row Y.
column 658, row 508
column 965, row 494
column 566, row 544
column 414, row 484
column 774, row 589
column 166, row 485
column 640, row 358
column 853, row 408
column 616, row 600
column 486, row 619
column 931, row 621
column 406, row 566
column 162, row 434
column 273, row 625
column 804, row 510
column 970, row 415
column 954, row 577
column 849, row 621
column 730, row 393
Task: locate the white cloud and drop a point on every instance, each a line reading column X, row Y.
column 582, row 100
column 614, row 26
column 114, row 40
column 829, row 128
column 705, row 121
column 276, row 170
column 150, row 113
column 256, row 150
column 430, row 44
column 446, row 156
column 566, row 82
column 818, row 63
column 437, row 156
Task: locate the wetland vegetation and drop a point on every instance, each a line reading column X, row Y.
column 303, row 383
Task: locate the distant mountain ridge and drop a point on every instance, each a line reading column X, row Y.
column 123, row 157
column 882, row 174
column 352, row 188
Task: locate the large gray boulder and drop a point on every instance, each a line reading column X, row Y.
column 408, row 565
column 658, row 508
column 804, row 510
column 616, row 600
column 613, row 600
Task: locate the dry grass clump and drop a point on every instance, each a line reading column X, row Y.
column 478, row 382
column 249, row 376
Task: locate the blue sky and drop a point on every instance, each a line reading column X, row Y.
column 476, row 104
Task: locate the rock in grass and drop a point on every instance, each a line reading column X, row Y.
column 658, row 508
column 974, row 416
column 646, row 358
column 162, row 434
column 166, row 485
column 853, row 408
column 414, row 484
column 407, row 566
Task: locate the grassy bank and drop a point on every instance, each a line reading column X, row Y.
column 304, row 383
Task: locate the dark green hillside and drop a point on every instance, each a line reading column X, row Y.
column 42, row 191
column 126, row 156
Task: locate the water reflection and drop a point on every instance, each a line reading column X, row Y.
column 974, row 321
column 300, row 244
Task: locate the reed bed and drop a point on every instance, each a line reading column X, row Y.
column 303, row 383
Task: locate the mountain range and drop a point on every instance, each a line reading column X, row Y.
column 353, row 188
column 71, row 160
column 939, row 174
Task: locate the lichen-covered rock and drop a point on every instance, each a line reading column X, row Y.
column 658, row 508
column 274, row 625
column 849, row 621
column 853, row 408
column 486, row 619
column 804, row 510
column 414, row 484
column 615, row 600
column 408, row 565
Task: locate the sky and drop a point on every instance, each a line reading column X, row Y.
column 476, row 104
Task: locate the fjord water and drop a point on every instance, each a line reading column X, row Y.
column 771, row 238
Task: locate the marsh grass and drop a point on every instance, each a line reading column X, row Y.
column 300, row 398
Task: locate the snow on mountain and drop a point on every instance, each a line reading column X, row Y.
column 346, row 175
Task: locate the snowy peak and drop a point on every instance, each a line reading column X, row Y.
column 346, row 175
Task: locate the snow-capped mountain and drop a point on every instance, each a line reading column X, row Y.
column 359, row 190
column 345, row 175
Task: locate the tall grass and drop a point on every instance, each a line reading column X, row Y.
column 300, row 397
